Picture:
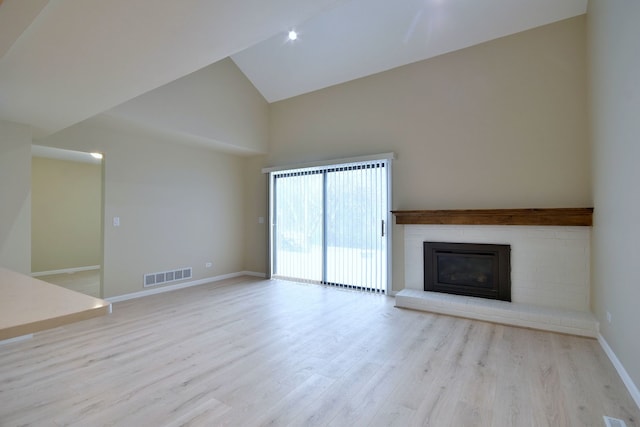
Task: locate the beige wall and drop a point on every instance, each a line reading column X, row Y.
column 15, row 197
column 66, row 210
column 499, row 125
column 178, row 206
column 217, row 102
column 256, row 206
column 614, row 36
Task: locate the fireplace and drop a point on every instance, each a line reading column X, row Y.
column 478, row 270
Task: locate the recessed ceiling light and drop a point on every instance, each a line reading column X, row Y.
column 96, row 155
column 293, row 35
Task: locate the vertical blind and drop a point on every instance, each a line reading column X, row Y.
column 329, row 225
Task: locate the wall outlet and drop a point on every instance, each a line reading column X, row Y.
column 608, row 317
column 208, row 265
column 116, row 221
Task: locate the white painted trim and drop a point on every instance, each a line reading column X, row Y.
column 16, row 339
column 254, row 274
column 383, row 156
column 626, row 379
column 389, row 227
column 65, row 270
column 183, row 285
column 271, row 219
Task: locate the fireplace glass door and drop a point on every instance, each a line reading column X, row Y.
column 471, row 269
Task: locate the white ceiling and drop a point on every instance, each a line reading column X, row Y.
column 362, row 37
column 63, row 61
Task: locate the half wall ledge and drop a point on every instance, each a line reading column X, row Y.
column 30, row 305
column 541, row 216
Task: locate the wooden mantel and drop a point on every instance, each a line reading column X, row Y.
column 554, row 216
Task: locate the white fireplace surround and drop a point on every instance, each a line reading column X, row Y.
column 550, row 276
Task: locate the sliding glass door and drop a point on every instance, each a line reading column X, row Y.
column 298, row 219
column 329, row 225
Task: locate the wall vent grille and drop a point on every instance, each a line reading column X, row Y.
column 155, row 279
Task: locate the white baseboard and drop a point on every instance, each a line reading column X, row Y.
column 255, row 274
column 183, row 285
column 65, row 270
column 626, row 379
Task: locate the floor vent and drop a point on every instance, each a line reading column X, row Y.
column 154, row 279
column 613, row 422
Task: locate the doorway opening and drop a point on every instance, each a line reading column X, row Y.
column 66, row 219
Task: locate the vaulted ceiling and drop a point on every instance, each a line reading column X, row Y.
column 64, row 61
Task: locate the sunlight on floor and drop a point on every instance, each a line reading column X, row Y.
column 86, row 282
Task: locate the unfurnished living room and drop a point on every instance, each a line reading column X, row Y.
column 319, row 212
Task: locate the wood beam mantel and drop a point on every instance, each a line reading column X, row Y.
column 554, row 216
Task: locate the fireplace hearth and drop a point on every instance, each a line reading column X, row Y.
column 471, row 269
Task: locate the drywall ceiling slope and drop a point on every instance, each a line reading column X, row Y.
column 216, row 106
column 169, row 134
column 362, row 37
column 15, row 17
column 79, row 58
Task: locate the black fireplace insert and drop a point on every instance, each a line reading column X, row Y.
column 471, row 269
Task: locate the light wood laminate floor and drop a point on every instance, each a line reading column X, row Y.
column 252, row 352
column 86, row 282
